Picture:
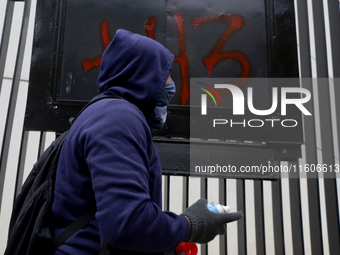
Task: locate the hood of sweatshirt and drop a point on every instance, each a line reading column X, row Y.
column 135, row 68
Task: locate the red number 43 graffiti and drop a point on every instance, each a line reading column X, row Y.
column 214, row 56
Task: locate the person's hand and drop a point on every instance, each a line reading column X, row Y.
column 205, row 225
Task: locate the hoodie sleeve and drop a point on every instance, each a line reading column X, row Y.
column 116, row 144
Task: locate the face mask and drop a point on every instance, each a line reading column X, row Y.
column 158, row 117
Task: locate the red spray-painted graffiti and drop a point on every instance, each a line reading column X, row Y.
column 214, row 56
column 106, row 39
column 150, row 27
column 182, row 58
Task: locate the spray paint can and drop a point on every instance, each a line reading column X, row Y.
column 217, row 208
column 187, row 249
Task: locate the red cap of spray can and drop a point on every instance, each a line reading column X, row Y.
column 187, row 249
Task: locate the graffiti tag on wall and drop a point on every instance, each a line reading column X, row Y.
column 216, row 54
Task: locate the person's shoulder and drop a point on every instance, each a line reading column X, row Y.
column 115, row 113
column 121, row 108
column 114, row 118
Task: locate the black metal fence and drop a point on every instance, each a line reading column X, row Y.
column 294, row 215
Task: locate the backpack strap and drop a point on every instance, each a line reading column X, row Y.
column 73, row 228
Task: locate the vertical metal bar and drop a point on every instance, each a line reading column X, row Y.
column 332, row 209
column 278, row 216
column 21, row 164
column 309, row 131
column 320, row 39
column 204, row 194
column 305, row 56
column 295, row 210
column 166, row 193
column 332, row 212
column 314, row 216
column 14, row 94
column 312, row 181
column 222, row 193
column 241, row 224
column 42, row 143
column 204, row 187
column 334, row 24
column 5, row 38
column 185, row 192
column 335, row 42
column 259, row 217
column 334, row 27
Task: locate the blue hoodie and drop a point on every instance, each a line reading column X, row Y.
column 104, row 163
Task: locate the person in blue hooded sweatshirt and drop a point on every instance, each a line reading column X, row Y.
column 110, row 164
